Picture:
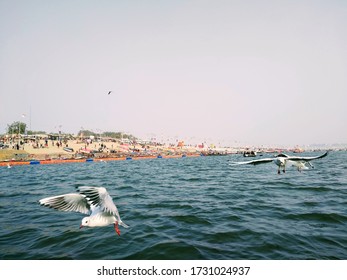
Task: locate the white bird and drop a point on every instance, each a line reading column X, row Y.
column 282, row 160
column 90, row 200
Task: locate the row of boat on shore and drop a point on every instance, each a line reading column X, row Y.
column 10, row 163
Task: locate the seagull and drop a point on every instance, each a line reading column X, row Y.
column 89, row 200
column 109, row 92
column 282, row 160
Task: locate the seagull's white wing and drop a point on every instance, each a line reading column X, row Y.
column 294, row 158
column 99, row 196
column 74, row 202
column 254, row 162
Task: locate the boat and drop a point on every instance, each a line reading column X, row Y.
column 249, row 153
column 67, row 149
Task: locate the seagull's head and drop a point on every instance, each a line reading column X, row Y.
column 85, row 222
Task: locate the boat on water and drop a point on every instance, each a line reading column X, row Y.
column 249, row 153
column 67, row 149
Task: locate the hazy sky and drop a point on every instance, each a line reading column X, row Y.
column 253, row 72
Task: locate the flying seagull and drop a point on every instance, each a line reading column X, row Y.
column 282, row 160
column 109, row 92
column 89, row 200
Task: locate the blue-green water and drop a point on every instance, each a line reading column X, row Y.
column 186, row 208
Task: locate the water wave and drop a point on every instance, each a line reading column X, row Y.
column 188, row 208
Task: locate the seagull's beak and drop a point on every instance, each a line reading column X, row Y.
column 81, row 226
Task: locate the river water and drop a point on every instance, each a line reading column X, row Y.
column 185, row 208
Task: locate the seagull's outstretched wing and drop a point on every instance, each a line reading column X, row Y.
column 254, row 162
column 98, row 196
column 306, row 158
column 74, row 202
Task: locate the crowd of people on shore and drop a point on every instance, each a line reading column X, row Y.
column 44, row 148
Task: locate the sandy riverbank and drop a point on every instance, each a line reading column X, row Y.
column 52, row 150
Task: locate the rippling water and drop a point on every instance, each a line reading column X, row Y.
column 187, row 208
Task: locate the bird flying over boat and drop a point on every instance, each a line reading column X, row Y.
column 95, row 201
column 282, row 160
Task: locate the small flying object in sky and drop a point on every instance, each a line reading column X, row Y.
column 109, row 92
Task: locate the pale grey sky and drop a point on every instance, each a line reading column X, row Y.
column 254, row 72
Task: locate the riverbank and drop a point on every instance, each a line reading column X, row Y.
column 49, row 152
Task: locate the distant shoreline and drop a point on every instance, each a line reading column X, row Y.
column 47, row 151
column 61, row 161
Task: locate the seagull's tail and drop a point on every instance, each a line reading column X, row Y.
column 120, row 222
